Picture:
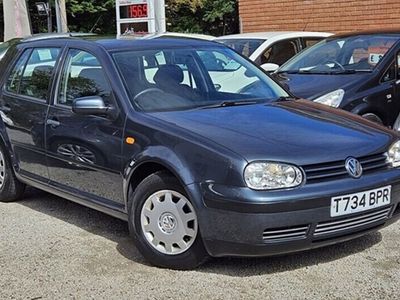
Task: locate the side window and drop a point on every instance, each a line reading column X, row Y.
column 82, row 76
column 14, row 79
column 390, row 74
column 280, row 52
column 398, row 65
column 37, row 74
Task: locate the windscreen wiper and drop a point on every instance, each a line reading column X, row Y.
column 228, row 104
column 283, row 98
column 351, row 71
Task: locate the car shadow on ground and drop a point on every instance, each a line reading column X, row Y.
column 116, row 230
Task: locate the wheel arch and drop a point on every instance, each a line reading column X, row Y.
column 4, row 139
column 136, row 174
column 367, row 109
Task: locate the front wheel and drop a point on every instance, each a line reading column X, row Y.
column 11, row 189
column 373, row 117
column 164, row 224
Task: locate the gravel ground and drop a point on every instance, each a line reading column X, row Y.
column 54, row 249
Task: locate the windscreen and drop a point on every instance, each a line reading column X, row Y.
column 188, row 78
column 360, row 53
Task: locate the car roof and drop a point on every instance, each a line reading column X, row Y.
column 180, row 35
column 369, row 32
column 274, row 34
column 113, row 44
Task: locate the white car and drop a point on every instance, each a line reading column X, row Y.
column 271, row 49
column 180, row 35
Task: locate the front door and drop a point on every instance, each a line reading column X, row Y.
column 24, row 105
column 84, row 151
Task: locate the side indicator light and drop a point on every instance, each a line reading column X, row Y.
column 130, row 140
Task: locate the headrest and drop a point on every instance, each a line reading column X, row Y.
column 96, row 75
column 42, row 70
column 167, row 74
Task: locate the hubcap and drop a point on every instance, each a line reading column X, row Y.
column 169, row 222
column 77, row 152
column 2, row 169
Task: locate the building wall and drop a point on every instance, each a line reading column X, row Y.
column 319, row 15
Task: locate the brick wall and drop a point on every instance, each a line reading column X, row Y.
column 319, row 15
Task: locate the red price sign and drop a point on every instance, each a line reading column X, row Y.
column 137, row 11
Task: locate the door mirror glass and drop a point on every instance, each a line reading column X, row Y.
column 92, row 105
column 269, row 67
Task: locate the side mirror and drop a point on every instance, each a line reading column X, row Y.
column 270, row 67
column 92, row 105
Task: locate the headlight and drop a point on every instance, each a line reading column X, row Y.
column 332, row 99
column 394, row 154
column 270, row 176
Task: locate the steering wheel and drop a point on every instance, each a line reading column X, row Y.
column 336, row 63
column 146, row 91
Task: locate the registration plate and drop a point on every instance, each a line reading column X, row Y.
column 353, row 203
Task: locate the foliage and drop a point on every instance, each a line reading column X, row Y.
column 216, row 17
column 91, row 16
column 83, row 16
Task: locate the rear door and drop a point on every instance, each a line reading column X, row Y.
column 84, row 151
column 24, row 105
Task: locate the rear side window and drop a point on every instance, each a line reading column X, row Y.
column 36, row 78
column 14, row 79
column 32, row 73
column 280, row 52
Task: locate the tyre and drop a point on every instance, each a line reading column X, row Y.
column 164, row 224
column 373, row 117
column 11, row 189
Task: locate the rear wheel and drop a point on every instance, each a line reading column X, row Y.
column 11, row 189
column 164, row 223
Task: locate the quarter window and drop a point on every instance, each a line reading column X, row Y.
column 308, row 42
column 390, row 74
column 82, row 76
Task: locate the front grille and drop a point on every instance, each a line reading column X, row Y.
column 351, row 223
column 336, row 170
column 285, row 233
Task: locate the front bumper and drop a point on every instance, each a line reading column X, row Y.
column 237, row 221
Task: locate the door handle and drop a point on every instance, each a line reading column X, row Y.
column 53, row 123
